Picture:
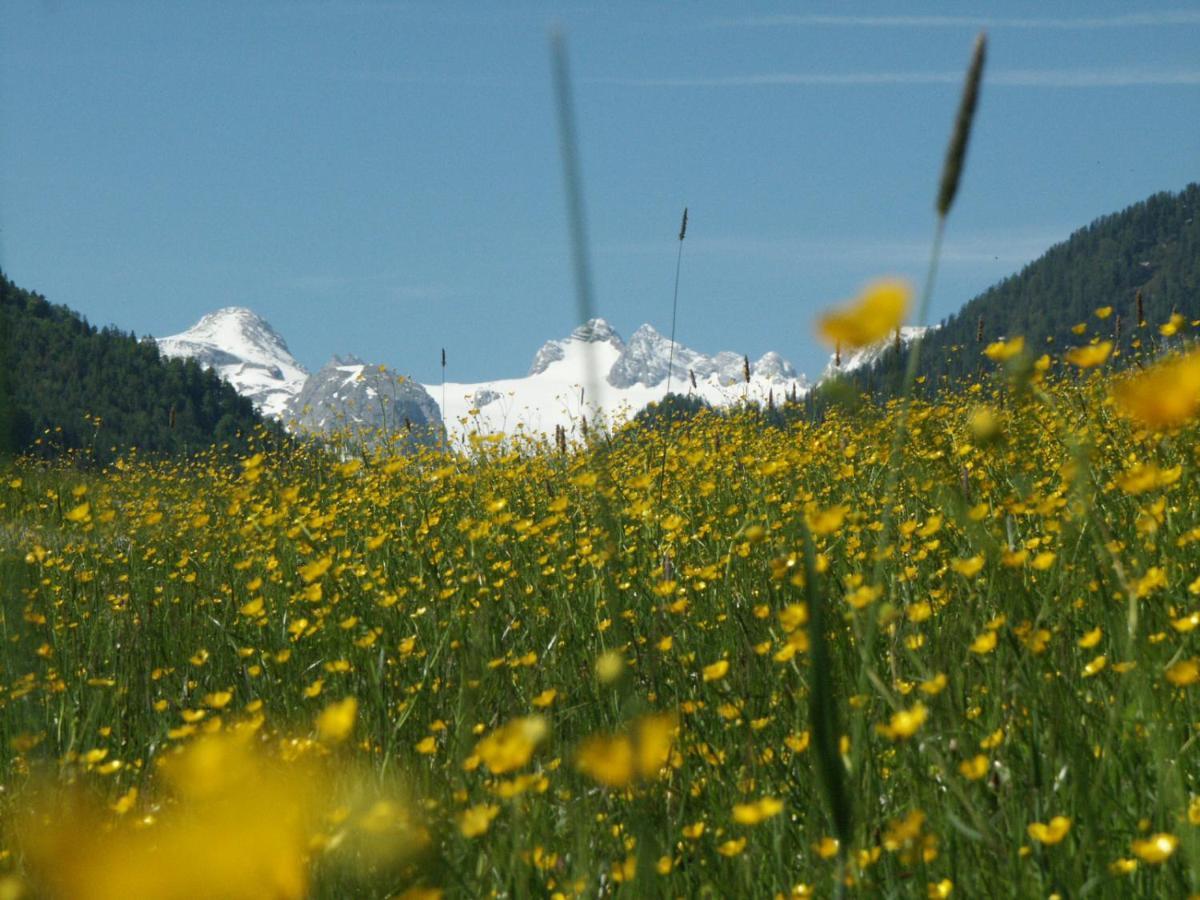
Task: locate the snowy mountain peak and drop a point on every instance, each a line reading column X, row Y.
column 595, row 331
column 246, row 351
column 773, row 367
column 648, row 356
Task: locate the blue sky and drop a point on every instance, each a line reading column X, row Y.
column 384, row 179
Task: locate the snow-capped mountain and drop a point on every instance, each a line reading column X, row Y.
column 593, row 372
column 866, row 356
column 647, row 358
column 245, row 351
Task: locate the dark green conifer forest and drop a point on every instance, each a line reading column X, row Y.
column 66, row 385
column 1151, row 248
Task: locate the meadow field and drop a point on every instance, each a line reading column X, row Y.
column 939, row 650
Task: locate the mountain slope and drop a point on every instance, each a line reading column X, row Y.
column 74, row 386
column 1152, row 247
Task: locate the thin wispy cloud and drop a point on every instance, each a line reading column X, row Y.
column 1153, row 19
column 1002, row 250
column 1017, row 78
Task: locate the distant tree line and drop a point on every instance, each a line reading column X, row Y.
column 67, row 385
column 1150, row 250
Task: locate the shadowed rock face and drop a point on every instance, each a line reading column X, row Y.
column 367, row 402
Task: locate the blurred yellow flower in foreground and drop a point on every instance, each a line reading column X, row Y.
column 877, row 312
column 1165, row 395
column 239, row 830
column 336, row 721
column 1090, row 356
column 1004, row 350
column 616, row 760
column 511, row 746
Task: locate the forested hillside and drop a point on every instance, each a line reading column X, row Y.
column 1151, row 248
column 66, row 385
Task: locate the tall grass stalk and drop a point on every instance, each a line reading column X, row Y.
column 951, row 175
column 662, row 475
column 568, row 143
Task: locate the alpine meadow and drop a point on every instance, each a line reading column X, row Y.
column 929, row 628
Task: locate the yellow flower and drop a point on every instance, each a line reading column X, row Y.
column 427, row 746
column 717, row 670
column 732, row 847
column 827, row 848
column 1043, row 561
column 655, row 736
column 218, row 700
column 314, row 570
column 1122, row 866
column 609, row 666
column 1164, row 396
column 875, row 315
column 1172, row 326
column 1147, row 477
column 1050, row 833
column 1090, row 356
column 1095, row 666
column 336, row 720
column 1155, row 849
column 545, row 698
column 758, row 811
column 1092, row 638
column 80, row 513
column 904, row 724
column 1184, row 673
column 478, row 819
column 511, row 746
column 975, row 768
column 694, row 831
column 797, row 743
column 1154, row 579
column 615, row 760
column 967, row 568
column 1002, row 351
column 985, row 643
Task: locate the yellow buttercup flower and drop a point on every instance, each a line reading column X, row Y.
column 1166, row 395
column 1090, row 356
column 874, row 315
column 478, row 819
column 336, row 721
column 1155, row 849
column 1004, row 350
column 511, row 746
column 905, row 723
column 758, row 811
column 716, row 671
column 1051, row 832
